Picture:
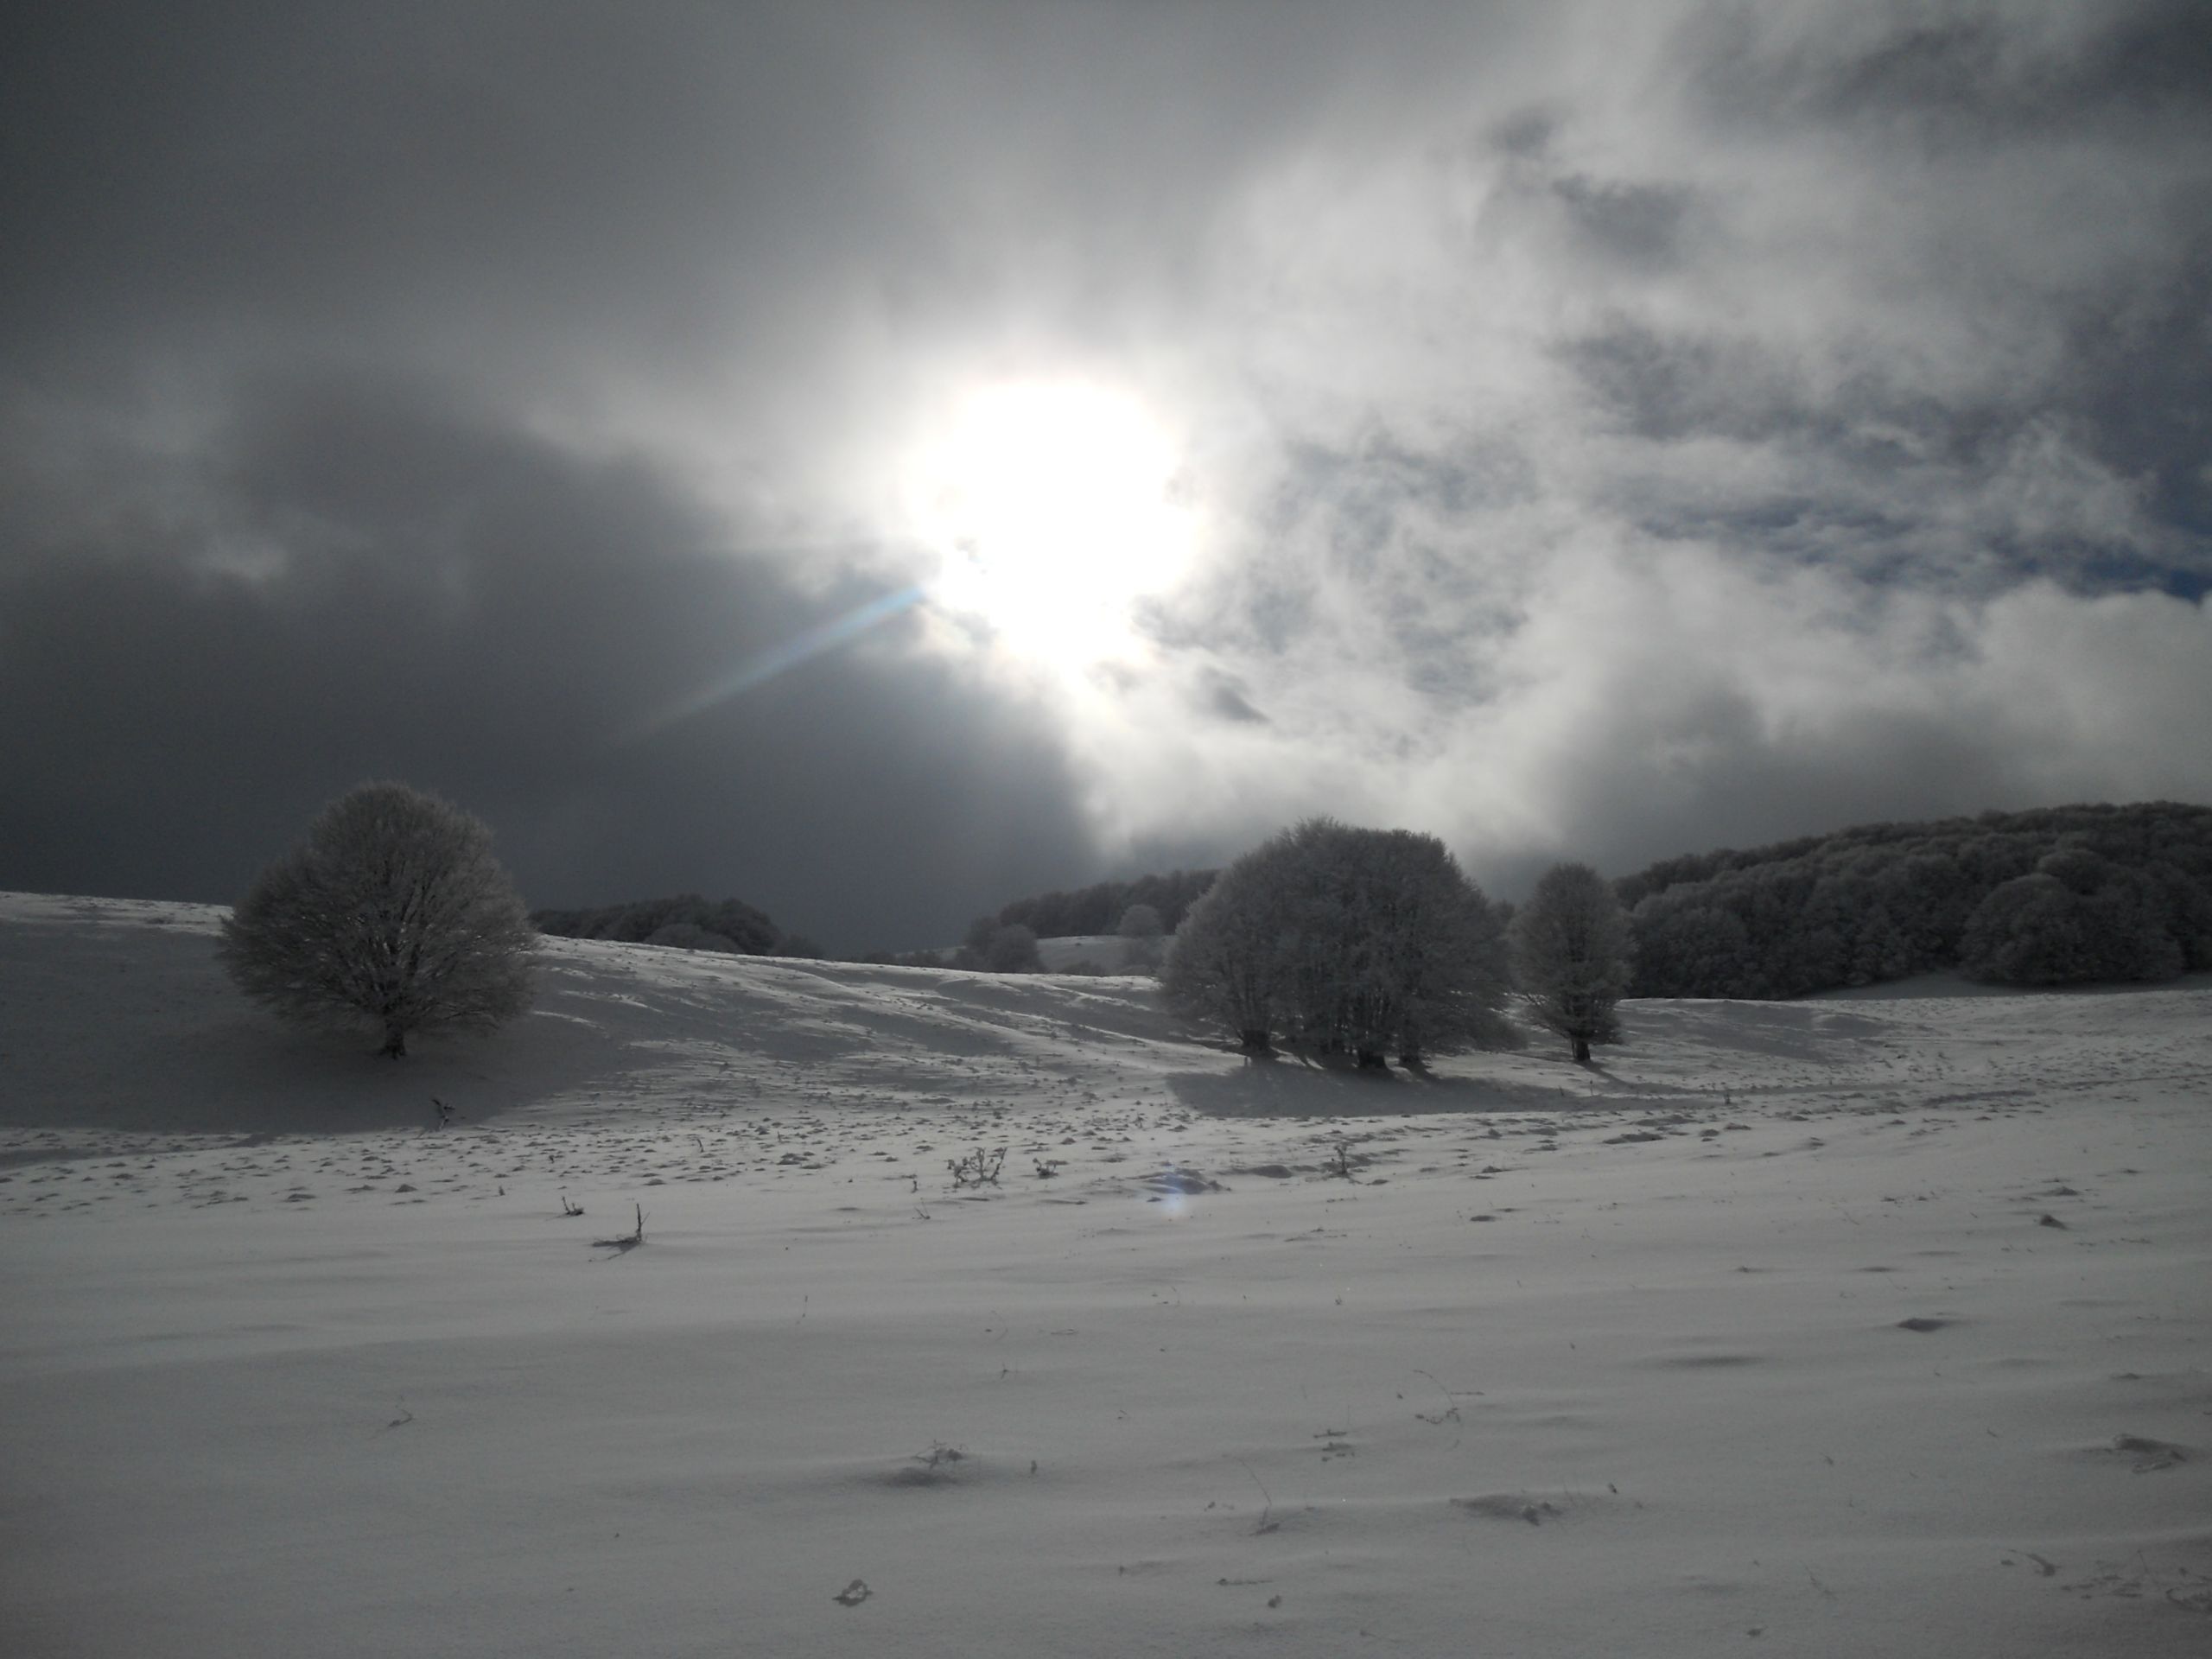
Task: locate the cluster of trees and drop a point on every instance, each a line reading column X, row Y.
column 686, row 921
column 1100, row 908
column 2060, row 895
column 1368, row 942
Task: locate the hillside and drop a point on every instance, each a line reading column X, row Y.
column 1818, row 1327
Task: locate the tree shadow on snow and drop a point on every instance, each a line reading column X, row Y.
column 1292, row 1084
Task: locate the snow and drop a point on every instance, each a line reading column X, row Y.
column 1572, row 1363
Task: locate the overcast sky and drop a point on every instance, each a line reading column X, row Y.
column 879, row 461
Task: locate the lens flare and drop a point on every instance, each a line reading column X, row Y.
column 766, row 665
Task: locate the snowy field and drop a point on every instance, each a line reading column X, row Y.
column 1876, row 1326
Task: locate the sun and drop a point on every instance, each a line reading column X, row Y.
column 1050, row 508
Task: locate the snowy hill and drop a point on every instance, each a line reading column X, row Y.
column 1818, row 1328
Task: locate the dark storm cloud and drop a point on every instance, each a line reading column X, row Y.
column 552, row 192
column 1944, row 75
column 368, row 581
column 2140, row 372
column 1637, row 224
column 454, row 180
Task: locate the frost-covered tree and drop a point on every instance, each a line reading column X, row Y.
column 1422, row 954
column 1573, row 955
column 2078, row 917
column 1140, row 922
column 1228, row 962
column 392, row 911
column 1687, row 949
column 1352, row 941
column 2124, row 889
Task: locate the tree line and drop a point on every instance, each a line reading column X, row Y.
column 685, row 920
column 1099, row 908
column 2056, row 896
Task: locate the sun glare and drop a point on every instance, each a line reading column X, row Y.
column 1050, row 507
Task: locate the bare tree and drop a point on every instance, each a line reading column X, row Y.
column 1573, row 953
column 391, row 911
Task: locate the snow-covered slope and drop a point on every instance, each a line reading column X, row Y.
column 1817, row 1328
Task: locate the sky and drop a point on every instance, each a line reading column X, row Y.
column 881, row 460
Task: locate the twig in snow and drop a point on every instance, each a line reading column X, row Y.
column 1267, row 1501
column 627, row 1241
column 1449, row 1415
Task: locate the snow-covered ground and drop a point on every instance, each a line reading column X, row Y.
column 1875, row 1326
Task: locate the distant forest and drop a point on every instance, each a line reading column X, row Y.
column 2057, row 896
column 1098, row 909
column 686, row 920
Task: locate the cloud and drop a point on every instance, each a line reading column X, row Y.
column 358, row 581
column 1612, row 430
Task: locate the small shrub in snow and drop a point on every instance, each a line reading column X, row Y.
column 978, row 1168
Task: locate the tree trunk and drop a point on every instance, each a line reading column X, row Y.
column 1581, row 1049
column 395, row 1041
